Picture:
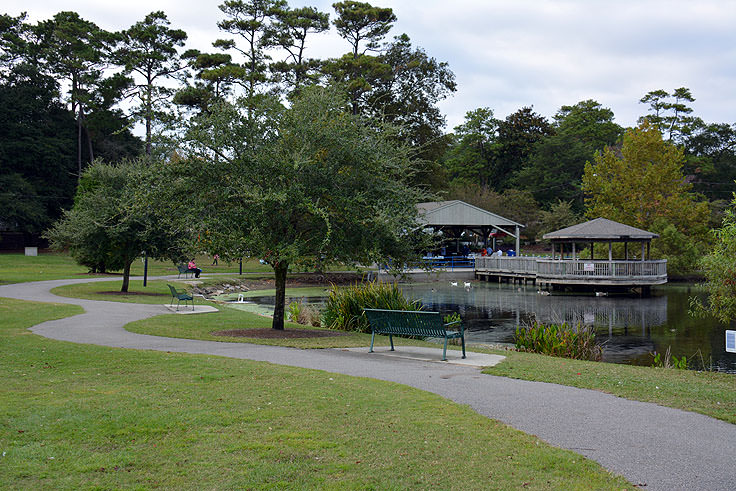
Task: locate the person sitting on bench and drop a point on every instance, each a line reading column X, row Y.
column 194, row 269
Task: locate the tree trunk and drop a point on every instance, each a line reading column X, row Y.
column 279, row 307
column 149, row 117
column 126, row 276
column 89, row 144
column 79, row 147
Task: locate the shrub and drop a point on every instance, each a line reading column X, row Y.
column 344, row 309
column 560, row 340
column 304, row 314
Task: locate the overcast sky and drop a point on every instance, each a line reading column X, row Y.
column 512, row 53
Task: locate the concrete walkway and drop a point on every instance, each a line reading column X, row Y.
column 650, row 445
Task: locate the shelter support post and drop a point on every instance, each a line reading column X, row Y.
column 518, row 252
column 642, row 251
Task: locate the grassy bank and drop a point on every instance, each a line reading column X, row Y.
column 77, row 416
column 17, row 268
column 709, row 393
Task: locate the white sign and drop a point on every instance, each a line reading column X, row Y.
column 589, row 267
column 731, row 341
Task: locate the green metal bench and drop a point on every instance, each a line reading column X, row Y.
column 183, row 270
column 412, row 323
column 179, row 297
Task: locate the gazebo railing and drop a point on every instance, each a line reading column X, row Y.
column 571, row 269
column 601, row 269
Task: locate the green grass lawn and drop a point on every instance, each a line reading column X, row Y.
column 157, row 291
column 17, row 268
column 77, row 416
column 709, row 393
column 713, row 394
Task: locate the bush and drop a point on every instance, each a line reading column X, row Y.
column 344, row 309
column 559, row 340
column 304, row 314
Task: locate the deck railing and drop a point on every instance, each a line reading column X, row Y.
column 601, row 269
column 569, row 269
column 522, row 265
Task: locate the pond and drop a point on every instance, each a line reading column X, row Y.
column 630, row 328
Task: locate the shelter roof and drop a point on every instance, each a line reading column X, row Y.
column 460, row 213
column 601, row 229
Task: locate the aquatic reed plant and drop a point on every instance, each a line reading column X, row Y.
column 562, row 340
column 344, row 308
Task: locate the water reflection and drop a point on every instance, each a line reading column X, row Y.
column 630, row 327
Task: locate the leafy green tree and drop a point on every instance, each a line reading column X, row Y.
column 671, row 113
column 555, row 166
column 363, row 26
column 148, row 49
column 104, row 231
column 76, row 51
column 361, row 22
column 514, row 204
column 517, row 136
column 409, row 97
column 469, row 157
column 319, row 185
column 643, row 186
column 37, row 150
column 711, row 161
column 559, row 215
column 290, row 31
column 253, row 22
column 719, row 267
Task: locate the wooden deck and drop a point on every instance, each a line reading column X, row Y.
column 582, row 272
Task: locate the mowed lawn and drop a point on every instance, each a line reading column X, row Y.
column 709, row 393
column 17, row 268
column 87, row 417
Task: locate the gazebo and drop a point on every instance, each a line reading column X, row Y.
column 600, row 230
column 626, row 272
column 455, row 216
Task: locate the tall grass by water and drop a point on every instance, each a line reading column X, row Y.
column 563, row 340
column 344, row 308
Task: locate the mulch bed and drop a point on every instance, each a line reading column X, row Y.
column 139, row 294
column 268, row 333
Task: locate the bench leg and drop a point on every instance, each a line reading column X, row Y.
column 373, row 336
column 462, row 338
column 391, row 340
column 444, row 351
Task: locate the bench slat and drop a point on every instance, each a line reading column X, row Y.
column 412, row 323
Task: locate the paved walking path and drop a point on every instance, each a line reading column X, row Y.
column 650, row 445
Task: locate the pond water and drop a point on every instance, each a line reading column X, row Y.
column 630, row 328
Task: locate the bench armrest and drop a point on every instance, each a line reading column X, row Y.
column 462, row 327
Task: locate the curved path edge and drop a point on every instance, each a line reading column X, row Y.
column 656, row 446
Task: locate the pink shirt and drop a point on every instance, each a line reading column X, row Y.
column 192, row 265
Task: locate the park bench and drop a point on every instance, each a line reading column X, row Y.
column 412, row 323
column 183, row 270
column 179, row 297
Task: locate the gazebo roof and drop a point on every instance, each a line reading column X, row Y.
column 460, row 213
column 601, row 229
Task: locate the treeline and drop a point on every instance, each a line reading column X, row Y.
column 73, row 91
column 65, row 81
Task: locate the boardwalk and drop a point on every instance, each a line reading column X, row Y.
column 574, row 272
